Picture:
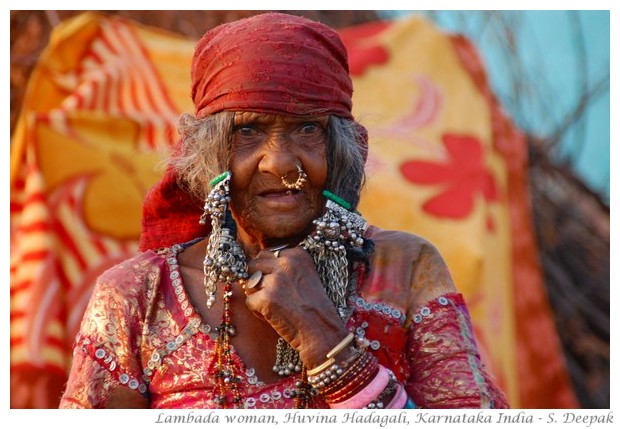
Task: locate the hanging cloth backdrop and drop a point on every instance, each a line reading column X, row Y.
column 445, row 162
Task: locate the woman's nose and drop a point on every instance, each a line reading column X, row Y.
column 278, row 157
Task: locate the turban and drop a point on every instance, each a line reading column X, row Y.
column 269, row 63
column 272, row 63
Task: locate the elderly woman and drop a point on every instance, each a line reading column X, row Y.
column 279, row 294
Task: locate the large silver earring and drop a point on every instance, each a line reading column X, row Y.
column 299, row 183
column 338, row 229
column 224, row 259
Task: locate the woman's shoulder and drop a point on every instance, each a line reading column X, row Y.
column 133, row 275
column 400, row 241
column 122, row 295
column 407, row 268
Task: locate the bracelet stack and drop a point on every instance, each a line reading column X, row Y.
column 362, row 373
column 357, row 382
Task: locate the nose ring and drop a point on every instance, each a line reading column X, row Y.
column 301, row 179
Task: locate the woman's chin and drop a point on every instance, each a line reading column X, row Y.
column 282, row 229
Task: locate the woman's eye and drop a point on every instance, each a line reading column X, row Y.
column 310, row 128
column 246, row 130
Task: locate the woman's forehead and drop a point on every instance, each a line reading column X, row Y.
column 272, row 117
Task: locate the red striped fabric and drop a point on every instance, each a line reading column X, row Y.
column 51, row 279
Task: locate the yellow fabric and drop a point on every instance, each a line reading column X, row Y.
column 424, row 70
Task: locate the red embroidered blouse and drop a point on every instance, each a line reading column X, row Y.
column 141, row 333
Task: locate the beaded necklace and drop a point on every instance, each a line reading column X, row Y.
column 226, row 375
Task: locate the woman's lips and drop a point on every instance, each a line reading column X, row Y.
column 275, row 194
column 284, row 197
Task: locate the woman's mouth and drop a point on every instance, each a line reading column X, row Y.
column 279, row 193
column 281, row 197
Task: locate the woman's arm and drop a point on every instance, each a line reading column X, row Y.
column 446, row 369
column 106, row 371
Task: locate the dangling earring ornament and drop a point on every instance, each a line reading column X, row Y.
column 338, row 229
column 224, row 260
column 299, row 183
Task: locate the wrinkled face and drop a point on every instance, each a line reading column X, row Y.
column 264, row 148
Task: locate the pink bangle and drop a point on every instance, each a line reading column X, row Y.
column 400, row 397
column 367, row 394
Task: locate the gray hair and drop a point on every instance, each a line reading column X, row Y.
column 345, row 159
column 206, row 147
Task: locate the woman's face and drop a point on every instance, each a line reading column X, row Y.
column 264, row 148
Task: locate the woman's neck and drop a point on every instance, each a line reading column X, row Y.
column 252, row 242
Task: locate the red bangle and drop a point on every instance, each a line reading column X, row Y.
column 352, row 373
column 355, row 385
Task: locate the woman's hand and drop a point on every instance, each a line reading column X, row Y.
column 291, row 298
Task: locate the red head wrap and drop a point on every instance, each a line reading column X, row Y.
column 271, row 63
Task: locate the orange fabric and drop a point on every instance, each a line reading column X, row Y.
column 106, row 93
column 82, row 158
